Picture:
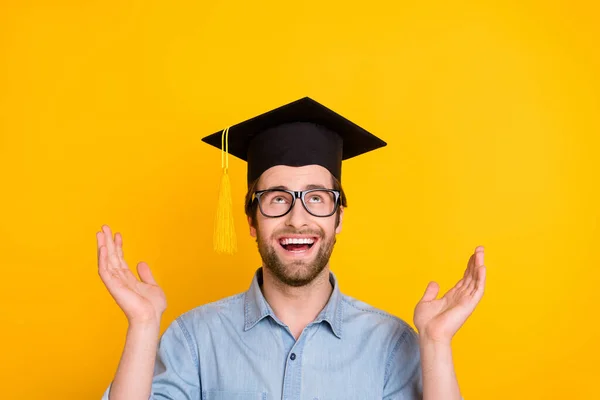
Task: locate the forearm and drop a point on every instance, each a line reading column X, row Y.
column 439, row 378
column 133, row 379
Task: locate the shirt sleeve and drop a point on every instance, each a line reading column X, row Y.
column 176, row 370
column 403, row 377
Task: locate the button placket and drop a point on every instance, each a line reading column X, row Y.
column 293, row 373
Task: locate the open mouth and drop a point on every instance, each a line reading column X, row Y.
column 297, row 245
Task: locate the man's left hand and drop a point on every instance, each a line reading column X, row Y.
column 437, row 320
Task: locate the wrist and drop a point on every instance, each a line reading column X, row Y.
column 434, row 343
column 434, row 354
column 145, row 326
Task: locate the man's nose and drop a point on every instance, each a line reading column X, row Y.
column 297, row 216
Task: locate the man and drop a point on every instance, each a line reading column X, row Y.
column 293, row 334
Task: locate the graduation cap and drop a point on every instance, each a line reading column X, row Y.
column 300, row 133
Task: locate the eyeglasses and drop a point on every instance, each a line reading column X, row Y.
column 276, row 203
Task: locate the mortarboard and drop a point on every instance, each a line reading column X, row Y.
column 300, row 133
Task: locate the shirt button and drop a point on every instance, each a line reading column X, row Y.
column 293, row 356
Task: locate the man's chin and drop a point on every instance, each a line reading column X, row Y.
column 296, row 280
column 296, row 273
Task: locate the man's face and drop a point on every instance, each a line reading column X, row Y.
column 295, row 264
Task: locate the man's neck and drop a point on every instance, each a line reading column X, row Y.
column 297, row 306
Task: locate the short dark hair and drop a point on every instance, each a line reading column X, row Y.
column 251, row 207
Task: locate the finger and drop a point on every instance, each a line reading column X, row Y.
column 458, row 285
column 110, row 246
column 468, row 276
column 469, row 263
column 479, row 249
column 478, row 261
column 475, row 260
column 103, row 269
column 456, row 288
column 477, row 292
column 145, row 273
column 100, row 243
column 468, row 289
column 431, row 291
column 102, row 258
column 119, row 245
column 108, row 239
column 478, row 275
column 479, row 254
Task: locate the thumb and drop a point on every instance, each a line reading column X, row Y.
column 431, row 291
column 145, row 274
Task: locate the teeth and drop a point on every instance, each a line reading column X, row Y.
column 287, row 241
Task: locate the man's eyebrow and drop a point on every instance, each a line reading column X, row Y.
column 280, row 187
column 308, row 187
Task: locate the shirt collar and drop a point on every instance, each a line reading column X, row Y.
column 256, row 307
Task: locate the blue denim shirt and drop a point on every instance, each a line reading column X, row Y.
column 237, row 349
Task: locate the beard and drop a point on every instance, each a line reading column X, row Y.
column 300, row 272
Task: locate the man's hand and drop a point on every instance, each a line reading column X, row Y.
column 143, row 302
column 437, row 320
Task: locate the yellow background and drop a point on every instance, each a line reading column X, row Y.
column 491, row 113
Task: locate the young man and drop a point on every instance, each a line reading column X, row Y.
column 293, row 335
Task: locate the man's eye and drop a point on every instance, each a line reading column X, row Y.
column 279, row 200
column 315, row 199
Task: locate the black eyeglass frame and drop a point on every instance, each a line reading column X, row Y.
column 297, row 195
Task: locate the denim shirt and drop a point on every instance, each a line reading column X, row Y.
column 237, row 349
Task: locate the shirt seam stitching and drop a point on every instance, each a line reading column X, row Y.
column 401, row 340
column 382, row 313
column 190, row 342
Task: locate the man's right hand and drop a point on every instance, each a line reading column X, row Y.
column 143, row 302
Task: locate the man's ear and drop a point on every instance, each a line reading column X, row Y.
column 338, row 229
column 252, row 228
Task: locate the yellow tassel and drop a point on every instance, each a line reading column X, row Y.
column 224, row 239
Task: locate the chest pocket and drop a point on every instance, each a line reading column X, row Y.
column 232, row 395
